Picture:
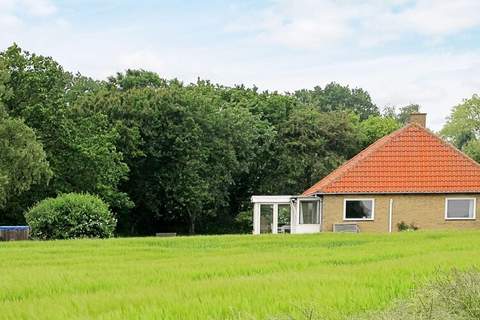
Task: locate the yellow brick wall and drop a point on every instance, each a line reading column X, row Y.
column 426, row 211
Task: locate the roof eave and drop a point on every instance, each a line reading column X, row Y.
column 393, row 192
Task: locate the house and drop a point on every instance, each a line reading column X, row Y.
column 410, row 176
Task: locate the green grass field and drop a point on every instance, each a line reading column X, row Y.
column 223, row 277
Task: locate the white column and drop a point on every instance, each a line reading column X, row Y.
column 390, row 216
column 275, row 218
column 294, row 217
column 256, row 218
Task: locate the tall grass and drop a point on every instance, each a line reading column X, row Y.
column 451, row 296
column 223, row 277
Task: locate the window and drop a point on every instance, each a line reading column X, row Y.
column 358, row 209
column 460, row 208
column 309, row 213
column 283, row 214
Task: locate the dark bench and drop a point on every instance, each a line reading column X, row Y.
column 166, row 234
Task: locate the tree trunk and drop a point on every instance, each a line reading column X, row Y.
column 191, row 227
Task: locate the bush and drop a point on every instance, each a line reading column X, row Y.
column 244, row 221
column 402, row 226
column 70, row 216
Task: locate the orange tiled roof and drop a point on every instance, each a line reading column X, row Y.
column 409, row 160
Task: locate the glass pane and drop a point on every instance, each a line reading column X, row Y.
column 309, row 212
column 460, row 208
column 358, row 209
column 284, row 218
column 266, row 218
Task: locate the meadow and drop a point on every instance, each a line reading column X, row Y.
column 224, row 277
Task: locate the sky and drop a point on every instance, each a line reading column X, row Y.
column 400, row 51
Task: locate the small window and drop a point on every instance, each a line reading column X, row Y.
column 358, row 209
column 456, row 208
column 309, row 213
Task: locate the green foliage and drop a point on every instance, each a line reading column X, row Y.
column 194, row 145
column 376, row 127
column 22, row 160
column 310, row 145
column 463, row 127
column 403, row 113
column 37, row 85
column 244, row 221
column 136, row 79
column 71, row 216
column 335, row 97
column 169, row 156
column 472, row 149
column 78, row 138
column 5, row 91
column 332, row 276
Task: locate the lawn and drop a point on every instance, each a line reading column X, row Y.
column 223, row 277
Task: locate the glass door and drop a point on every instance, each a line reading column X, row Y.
column 266, row 218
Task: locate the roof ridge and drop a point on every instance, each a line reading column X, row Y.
column 346, row 167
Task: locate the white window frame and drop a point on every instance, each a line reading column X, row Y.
column 454, row 218
column 318, row 211
column 358, row 219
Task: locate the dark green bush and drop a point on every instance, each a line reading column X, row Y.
column 70, row 216
column 244, row 221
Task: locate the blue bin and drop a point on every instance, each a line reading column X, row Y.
column 8, row 233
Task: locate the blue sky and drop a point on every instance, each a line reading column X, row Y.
column 401, row 51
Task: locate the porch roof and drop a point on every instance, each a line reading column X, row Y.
column 272, row 199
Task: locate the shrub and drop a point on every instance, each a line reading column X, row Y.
column 70, row 216
column 244, row 221
column 402, row 226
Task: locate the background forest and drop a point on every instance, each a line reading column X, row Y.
column 169, row 156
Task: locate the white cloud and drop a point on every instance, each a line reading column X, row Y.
column 435, row 81
column 12, row 10
column 141, row 59
column 319, row 24
column 256, row 49
column 441, row 17
column 38, row 7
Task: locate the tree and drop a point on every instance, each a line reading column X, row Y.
column 79, row 140
column 22, row 160
column 335, row 97
column 136, row 79
column 189, row 156
column 377, row 127
column 403, row 113
column 313, row 144
column 5, row 91
column 195, row 145
column 463, row 126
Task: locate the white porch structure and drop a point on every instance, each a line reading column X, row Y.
column 286, row 214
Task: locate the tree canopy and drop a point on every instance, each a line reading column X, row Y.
column 170, row 156
column 463, row 127
column 22, row 158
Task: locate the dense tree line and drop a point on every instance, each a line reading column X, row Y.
column 169, row 156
